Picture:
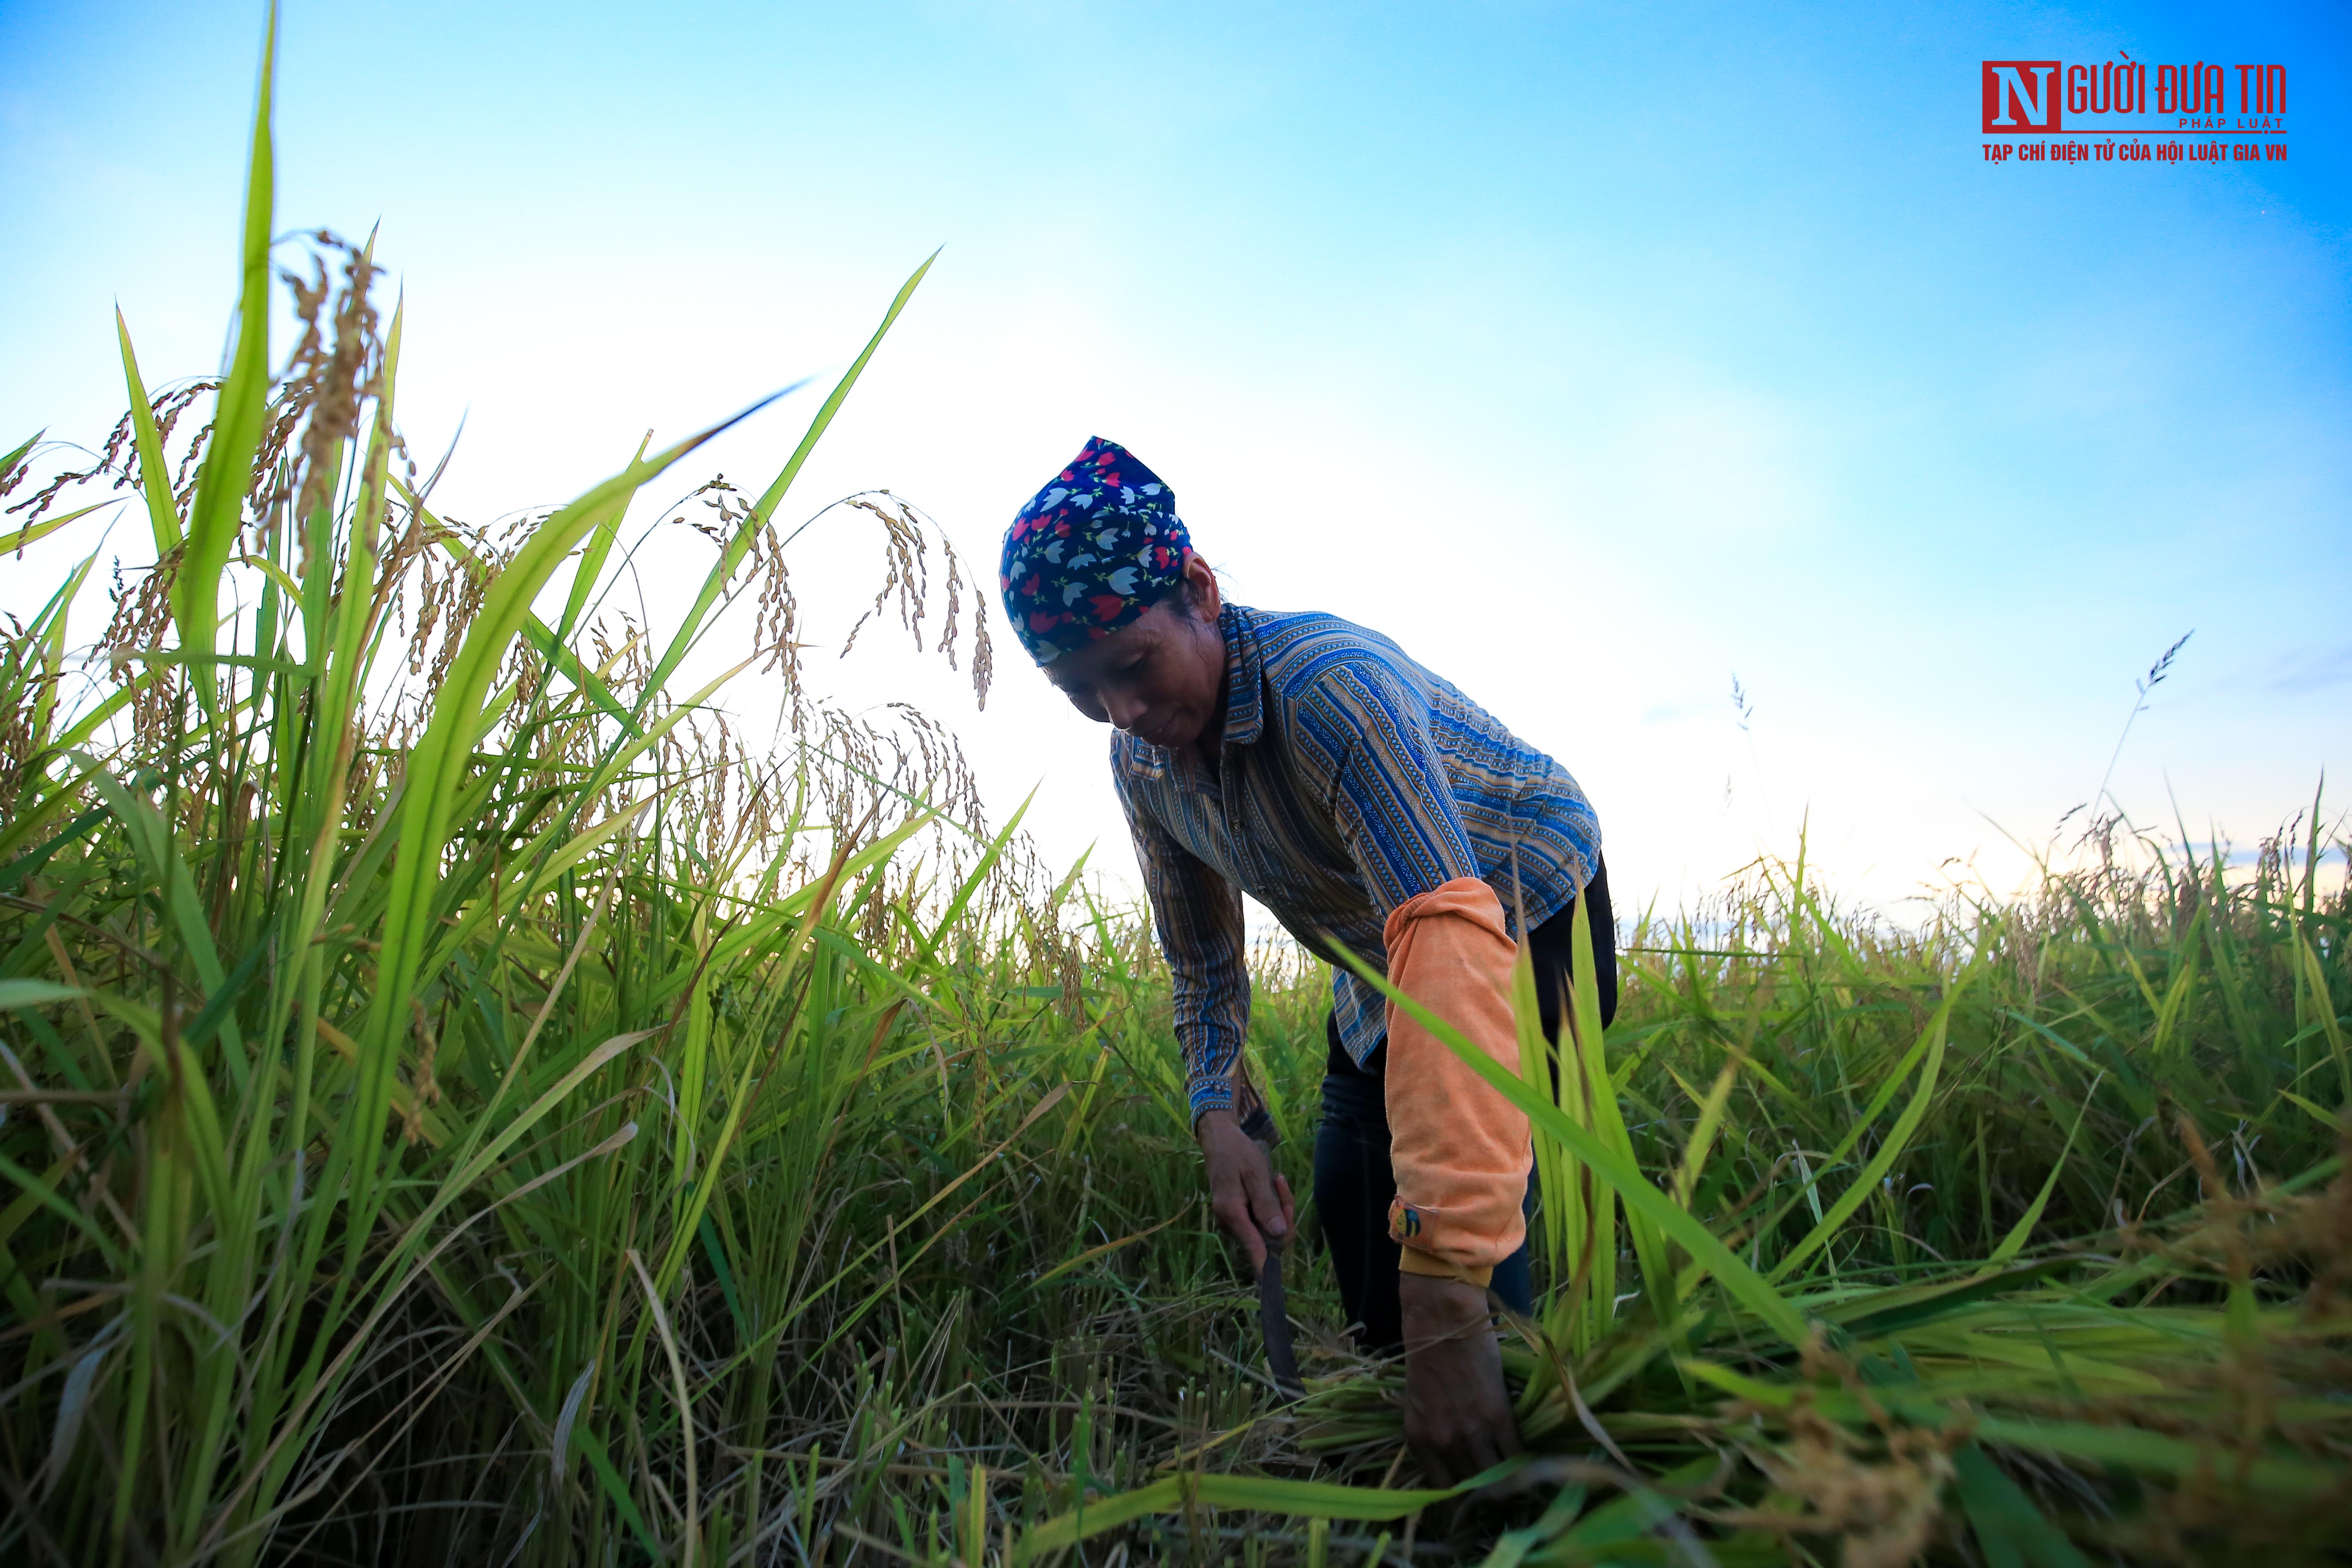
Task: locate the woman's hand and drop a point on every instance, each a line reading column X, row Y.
column 1457, row 1416
column 1250, row 1199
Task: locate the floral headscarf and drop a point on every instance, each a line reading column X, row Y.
column 1090, row 552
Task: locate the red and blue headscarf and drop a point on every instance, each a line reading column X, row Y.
column 1089, row 553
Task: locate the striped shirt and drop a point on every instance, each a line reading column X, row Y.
column 1350, row 780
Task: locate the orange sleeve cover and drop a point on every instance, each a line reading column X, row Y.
column 1460, row 1150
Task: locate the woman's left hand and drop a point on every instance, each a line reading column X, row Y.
column 1457, row 1414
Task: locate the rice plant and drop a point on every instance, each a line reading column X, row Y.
column 463, row 1102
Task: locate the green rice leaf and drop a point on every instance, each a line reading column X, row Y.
column 14, row 994
column 2010, row 1530
column 2014, row 1242
column 18, row 454
column 154, row 474
column 33, row 533
column 616, row 1491
column 216, row 511
column 1898, row 1138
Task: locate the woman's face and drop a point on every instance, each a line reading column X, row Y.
column 1161, row 678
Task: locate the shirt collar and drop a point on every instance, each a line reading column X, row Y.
column 1244, row 676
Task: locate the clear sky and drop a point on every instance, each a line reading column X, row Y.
column 1598, row 353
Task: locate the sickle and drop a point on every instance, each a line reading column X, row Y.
column 1273, row 1320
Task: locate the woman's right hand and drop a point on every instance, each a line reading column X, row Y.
column 1251, row 1199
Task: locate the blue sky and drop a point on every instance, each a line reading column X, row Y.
column 1596, row 353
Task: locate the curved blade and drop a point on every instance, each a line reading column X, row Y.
column 1273, row 1320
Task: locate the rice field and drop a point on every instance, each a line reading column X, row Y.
column 462, row 1103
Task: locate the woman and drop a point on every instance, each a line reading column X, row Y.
column 1369, row 805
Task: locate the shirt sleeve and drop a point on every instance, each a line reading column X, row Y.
column 1197, row 914
column 1388, row 787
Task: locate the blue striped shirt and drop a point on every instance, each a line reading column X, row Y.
column 1350, row 780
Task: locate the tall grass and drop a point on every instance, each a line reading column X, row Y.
column 2026, row 1233
column 462, row 1104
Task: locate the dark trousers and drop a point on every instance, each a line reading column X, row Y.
column 1353, row 1180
